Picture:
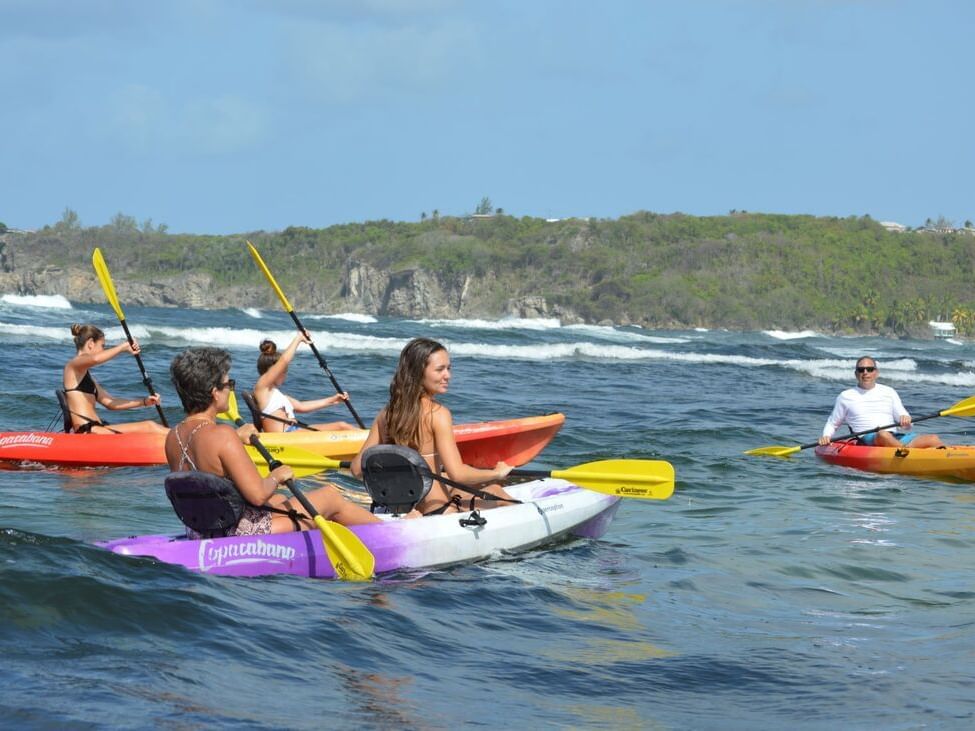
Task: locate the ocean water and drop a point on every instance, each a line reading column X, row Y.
column 765, row 593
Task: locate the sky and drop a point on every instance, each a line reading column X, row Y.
column 235, row 116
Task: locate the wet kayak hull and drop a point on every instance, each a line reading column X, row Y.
column 553, row 510
column 482, row 444
column 956, row 463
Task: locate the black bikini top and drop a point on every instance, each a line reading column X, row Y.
column 85, row 385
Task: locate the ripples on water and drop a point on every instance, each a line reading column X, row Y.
column 764, row 593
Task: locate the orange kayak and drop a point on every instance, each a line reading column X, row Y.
column 954, row 464
column 482, row 444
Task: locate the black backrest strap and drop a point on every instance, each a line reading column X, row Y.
column 210, row 505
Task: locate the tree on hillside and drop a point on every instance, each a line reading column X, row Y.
column 69, row 221
column 124, row 224
column 3, row 227
column 484, row 207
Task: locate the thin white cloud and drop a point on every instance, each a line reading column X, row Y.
column 144, row 118
column 342, row 64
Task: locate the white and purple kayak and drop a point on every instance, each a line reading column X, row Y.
column 552, row 509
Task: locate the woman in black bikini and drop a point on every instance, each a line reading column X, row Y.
column 82, row 392
column 198, row 443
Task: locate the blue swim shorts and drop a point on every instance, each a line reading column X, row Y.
column 904, row 438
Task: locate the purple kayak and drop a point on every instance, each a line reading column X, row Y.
column 552, row 509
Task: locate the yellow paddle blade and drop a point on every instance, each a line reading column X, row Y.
column 349, row 556
column 773, row 451
column 270, row 277
column 101, row 269
column 299, row 470
column 300, row 460
column 232, row 413
column 962, row 408
column 639, row 478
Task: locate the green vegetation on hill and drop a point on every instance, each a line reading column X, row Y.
column 738, row 271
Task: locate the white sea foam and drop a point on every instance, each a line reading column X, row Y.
column 904, row 370
column 252, row 312
column 349, row 316
column 54, row 301
column 113, row 335
column 35, row 331
column 785, row 335
column 505, row 323
column 623, row 336
column 250, row 338
column 224, row 336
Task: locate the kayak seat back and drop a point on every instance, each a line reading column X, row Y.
column 255, row 411
column 65, row 411
column 396, row 477
column 210, row 505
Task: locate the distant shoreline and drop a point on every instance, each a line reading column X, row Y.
column 742, row 272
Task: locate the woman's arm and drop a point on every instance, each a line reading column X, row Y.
column 446, row 445
column 303, row 407
column 371, row 441
column 118, row 404
column 239, row 467
column 266, row 381
column 86, row 361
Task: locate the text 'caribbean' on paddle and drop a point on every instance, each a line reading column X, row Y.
column 965, row 407
column 635, row 478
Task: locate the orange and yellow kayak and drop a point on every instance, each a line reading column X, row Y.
column 954, row 464
column 481, row 444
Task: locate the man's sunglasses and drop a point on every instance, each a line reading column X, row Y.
column 229, row 383
column 866, row 369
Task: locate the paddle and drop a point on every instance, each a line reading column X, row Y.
column 350, row 557
column 290, row 310
column 301, row 461
column 101, row 269
column 637, row 478
column 283, row 420
column 965, row 407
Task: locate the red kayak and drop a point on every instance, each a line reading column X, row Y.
column 482, row 444
column 954, row 464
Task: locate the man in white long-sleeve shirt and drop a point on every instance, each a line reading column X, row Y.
column 870, row 405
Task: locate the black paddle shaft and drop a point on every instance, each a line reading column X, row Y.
column 273, row 464
column 876, row 428
column 145, row 375
column 328, row 372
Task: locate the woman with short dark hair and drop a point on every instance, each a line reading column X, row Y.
column 201, row 378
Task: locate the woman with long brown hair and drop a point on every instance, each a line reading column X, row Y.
column 414, row 418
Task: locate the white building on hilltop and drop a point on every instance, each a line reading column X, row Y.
column 942, row 330
column 894, row 226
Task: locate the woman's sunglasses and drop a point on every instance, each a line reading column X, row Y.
column 229, row 383
column 866, row 369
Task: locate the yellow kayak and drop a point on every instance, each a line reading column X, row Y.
column 954, row 464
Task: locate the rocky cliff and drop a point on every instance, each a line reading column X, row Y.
column 407, row 293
